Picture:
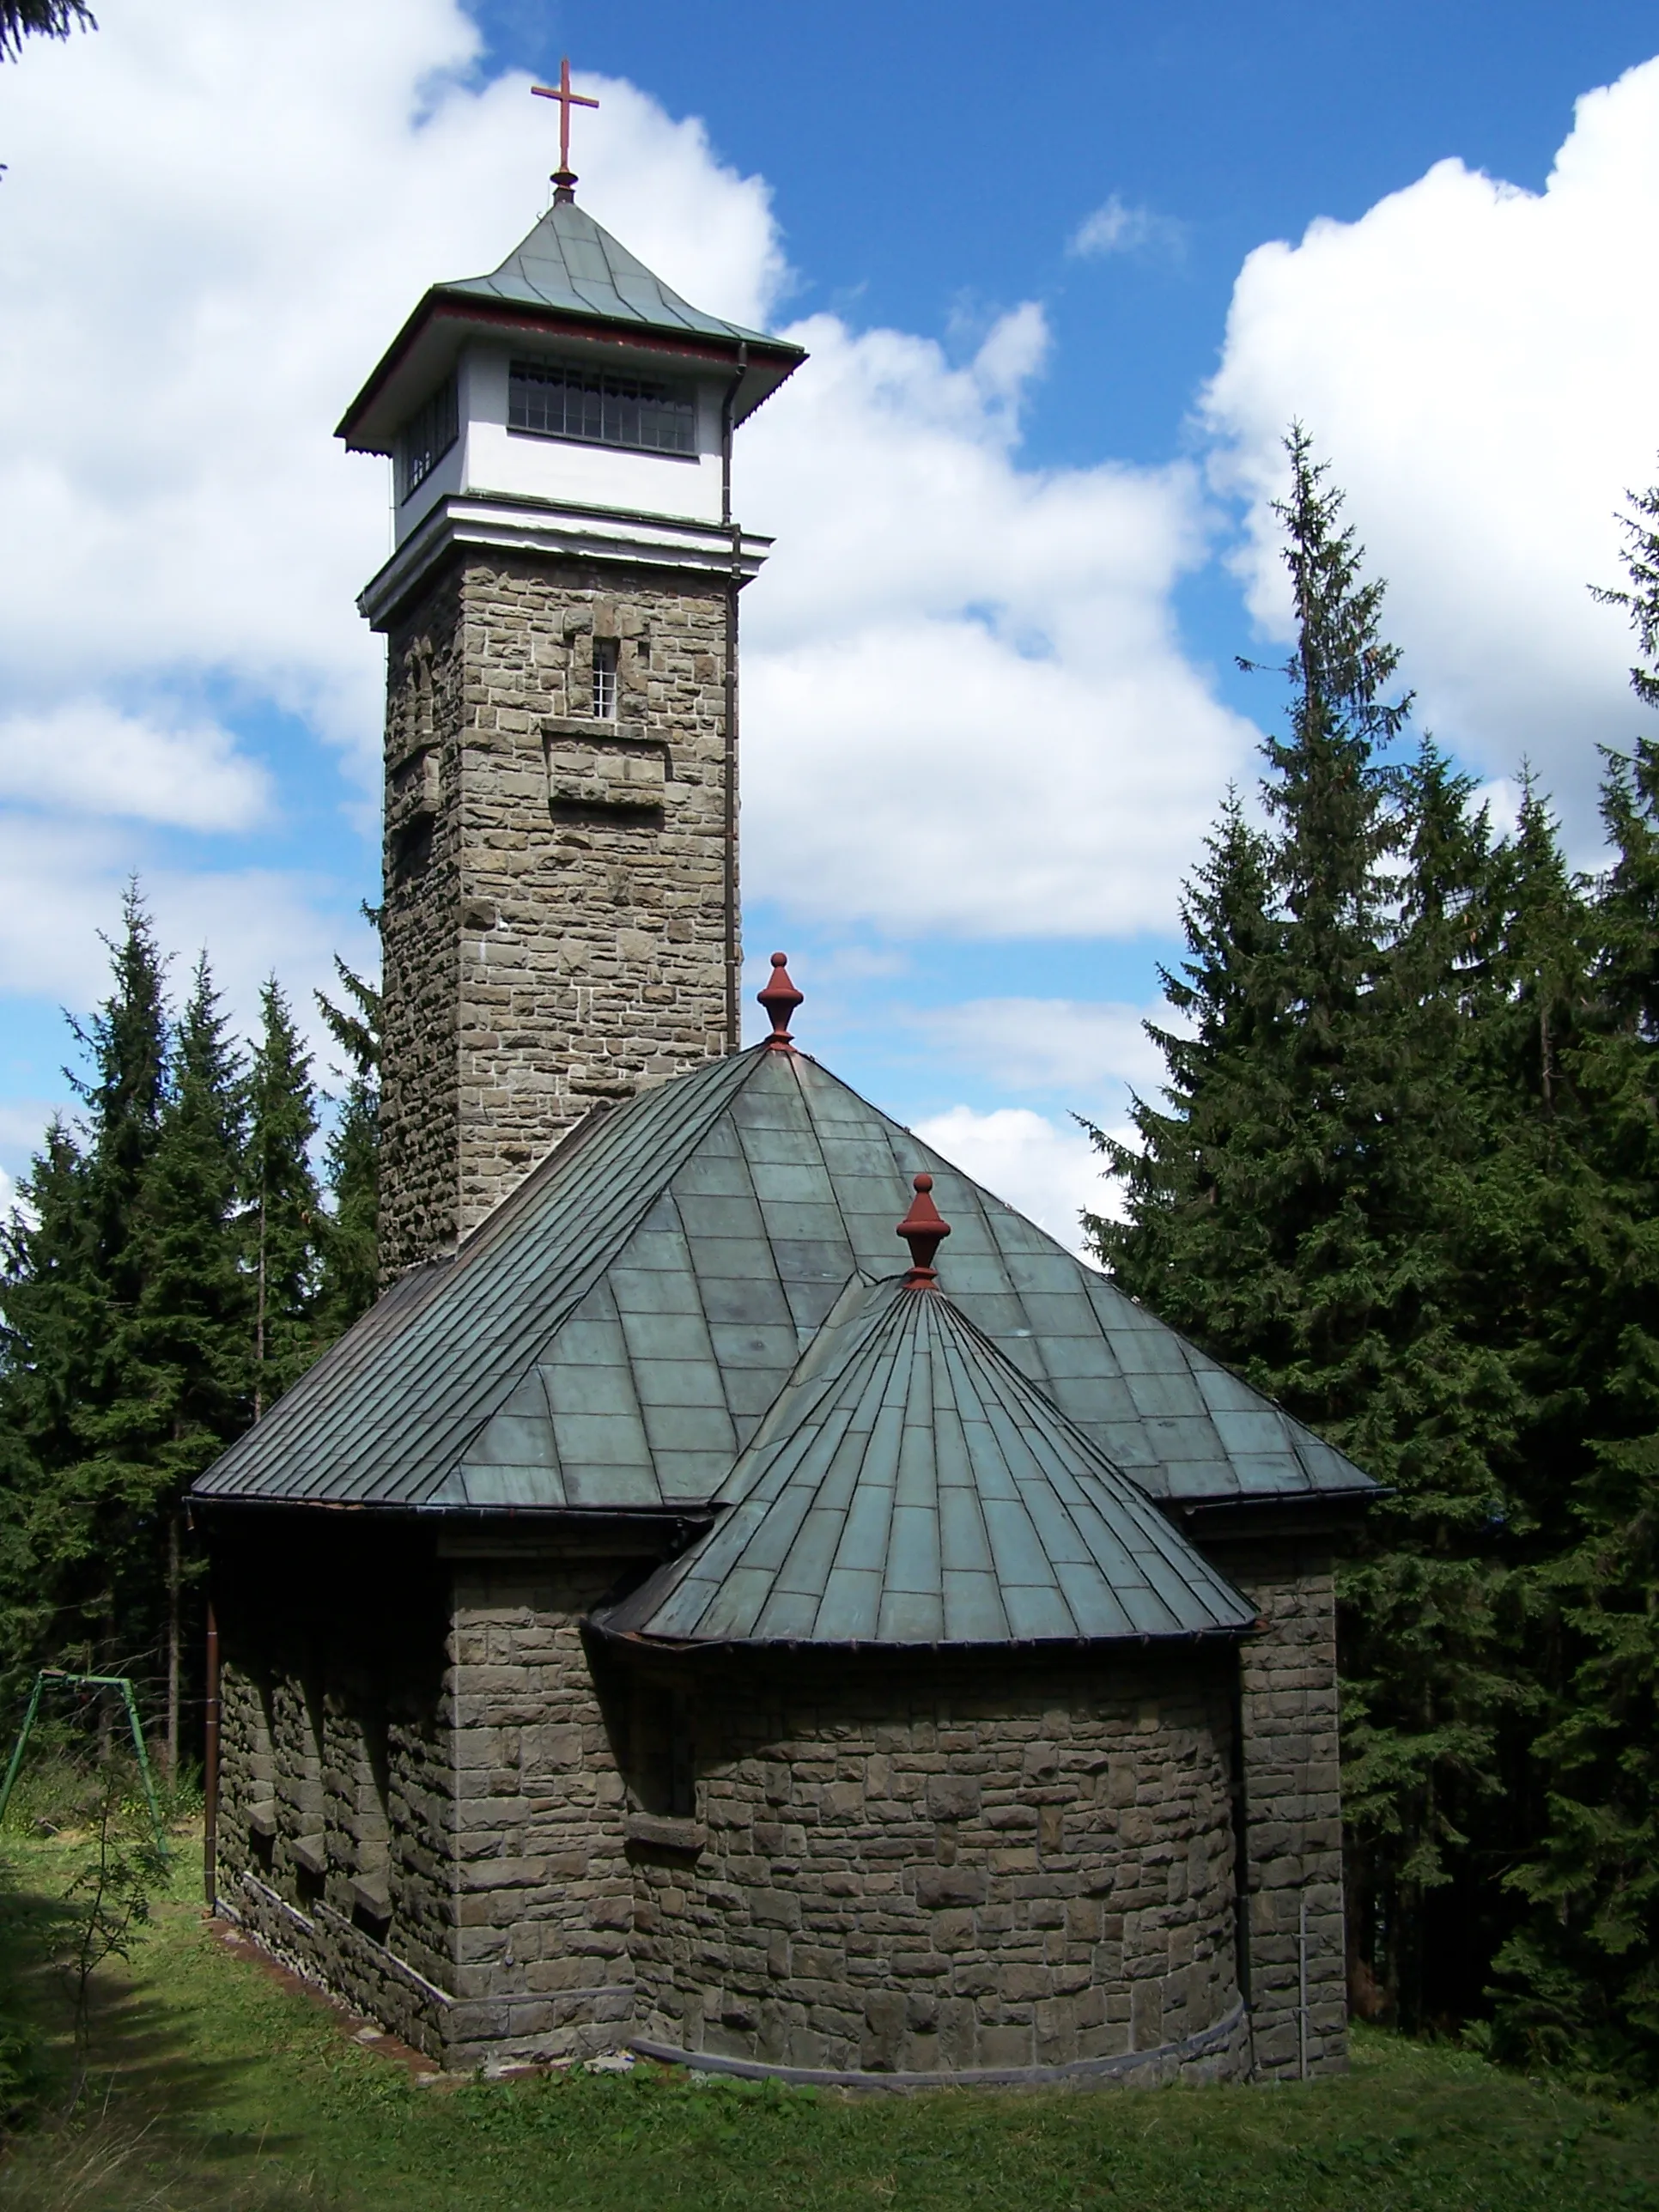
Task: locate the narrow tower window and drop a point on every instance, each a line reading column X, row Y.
column 426, row 437
column 604, row 679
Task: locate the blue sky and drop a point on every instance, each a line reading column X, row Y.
column 1052, row 360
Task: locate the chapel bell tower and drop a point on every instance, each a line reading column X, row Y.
column 561, row 613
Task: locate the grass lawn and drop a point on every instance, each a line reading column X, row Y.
column 214, row 2085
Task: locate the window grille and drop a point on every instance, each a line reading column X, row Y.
column 556, row 399
column 426, row 437
column 604, row 679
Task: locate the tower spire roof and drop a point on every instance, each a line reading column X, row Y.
column 567, row 276
column 570, row 263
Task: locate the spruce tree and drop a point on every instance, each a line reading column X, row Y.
column 1578, row 1982
column 283, row 1229
column 1182, row 1180
column 1298, row 1208
column 191, row 1329
column 93, row 1519
column 51, row 1313
column 350, row 1230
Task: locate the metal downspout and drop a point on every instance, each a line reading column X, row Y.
column 211, row 1769
column 734, row 583
column 1241, row 1855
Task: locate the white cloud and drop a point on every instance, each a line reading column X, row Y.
column 61, row 884
column 1046, row 1170
column 1025, row 1044
column 1477, row 362
column 23, row 1123
column 965, row 707
column 88, row 757
column 215, row 221
column 1118, row 227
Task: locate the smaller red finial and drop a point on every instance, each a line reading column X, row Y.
column 780, row 998
column 924, row 1231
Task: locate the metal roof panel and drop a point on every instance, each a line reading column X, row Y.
column 637, row 1261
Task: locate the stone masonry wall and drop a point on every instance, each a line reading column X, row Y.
column 335, row 1786
column 944, row 1867
column 506, row 1843
column 419, row 931
column 560, row 892
column 544, row 1895
column 1292, row 1787
column 349, row 1884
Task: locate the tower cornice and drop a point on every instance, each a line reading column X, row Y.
column 500, row 523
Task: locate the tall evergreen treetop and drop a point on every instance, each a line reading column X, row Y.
column 1328, row 784
column 126, row 1041
column 283, row 1226
column 350, row 1243
column 192, row 1325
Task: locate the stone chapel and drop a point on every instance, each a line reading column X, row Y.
column 668, row 1621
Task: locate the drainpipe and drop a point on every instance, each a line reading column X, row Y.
column 210, row 1773
column 734, row 581
column 1241, row 1856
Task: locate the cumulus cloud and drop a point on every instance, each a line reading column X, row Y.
column 1046, row 1170
column 1119, row 227
column 89, row 757
column 23, row 1124
column 61, row 884
column 1477, row 362
column 1051, row 1044
column 965, row 705
column 215, row 221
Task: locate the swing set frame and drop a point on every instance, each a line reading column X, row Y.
column 55, row 1677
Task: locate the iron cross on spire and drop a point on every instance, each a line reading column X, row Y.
column 564, row 183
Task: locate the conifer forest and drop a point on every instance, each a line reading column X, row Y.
column 1402, row 1174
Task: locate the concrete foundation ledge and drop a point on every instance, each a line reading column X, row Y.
column 1218, row 2053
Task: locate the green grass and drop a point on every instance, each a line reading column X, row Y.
column 213, row 2086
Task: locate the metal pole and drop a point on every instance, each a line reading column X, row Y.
column 211, row 1769
column 733, row 583
column 99, row 1682
column 1302, row 1982
column 136, row 1726
column 21, row 1744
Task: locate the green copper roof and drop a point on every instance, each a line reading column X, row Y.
column 569, row 263
column 911, row 1486
column 610, row 1338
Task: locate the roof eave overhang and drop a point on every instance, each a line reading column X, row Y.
column 1311, row 1515
column 426, row 346
column 542, row 1519
column 666, row 1647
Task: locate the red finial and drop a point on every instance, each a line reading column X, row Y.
column 564, row 181
column 780, row 998
column 924, row 1231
